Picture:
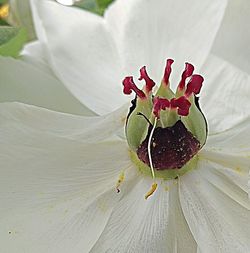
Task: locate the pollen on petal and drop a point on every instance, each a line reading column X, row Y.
column 119, row 181
column 182, row 104
column 151, row 191
column 194, row 85
column 130, row 86
column 168, row 70
column 149, row 82
column 189, row 69
column 160, row 104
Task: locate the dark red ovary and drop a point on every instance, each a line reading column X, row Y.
column 171, row 147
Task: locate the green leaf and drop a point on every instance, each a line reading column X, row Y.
column 96, row 6
column 12, row 40
column 87, row 4
column 3, row 22
column 104, row 3
column 3, row 2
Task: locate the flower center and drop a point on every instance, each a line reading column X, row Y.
column 165, row 130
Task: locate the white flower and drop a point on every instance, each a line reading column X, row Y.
column 59, row 171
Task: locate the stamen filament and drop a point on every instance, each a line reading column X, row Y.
column 154, row 185
column 149, row 149
column 151, row 191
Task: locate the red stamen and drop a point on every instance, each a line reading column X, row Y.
column 160, row 104
column 194, row 85
column 189, row 69
column 130, row 86
column 167, row 71
column 149, row 82
column 182, row 104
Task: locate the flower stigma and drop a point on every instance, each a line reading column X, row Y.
column 165, row 130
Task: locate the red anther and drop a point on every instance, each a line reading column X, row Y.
column 160, row 104
column 189, row 69
column 182, row 104
column 194, row 85
column 149, row 82
column 130, row 86
column 168, row 70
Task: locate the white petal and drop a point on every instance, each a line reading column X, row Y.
column 66, row 2
column 36, row 53
column 231, row 147
column 225, row 94
column 148, row 32
column 39, row 29
column 218, row 223
column 231, row 182
column 153, row 225
column 58, row 227
column 233, row 39
column 53, row 188
column 231, row 151
column 79, row 128
column 25, row 83
column 83, row 54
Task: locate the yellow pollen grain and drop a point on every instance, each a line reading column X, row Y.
column 4, row 11
column 151, row 191
column 166, row 188
column 238, row 169
column 119, row 181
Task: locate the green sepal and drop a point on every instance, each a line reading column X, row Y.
column 195, row 122
column 137, row 124
column 168, row 118
column 164, row 91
